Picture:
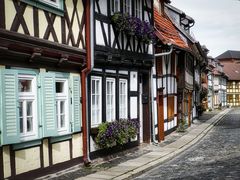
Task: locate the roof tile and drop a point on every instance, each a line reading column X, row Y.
column 166, row 31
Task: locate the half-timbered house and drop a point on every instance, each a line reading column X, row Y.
column 169, row 48
column 42, row 55
column 194, row 61
column 119, row 85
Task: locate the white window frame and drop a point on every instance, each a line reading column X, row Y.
column 115, row 6
column 97, row 119
column 138, row 9
column 123, row 111
column 24, row 97
column 127, row 7
column 110, row 108
column 59, row 97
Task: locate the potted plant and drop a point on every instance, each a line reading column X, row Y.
column 117, row 132
column 133, row 26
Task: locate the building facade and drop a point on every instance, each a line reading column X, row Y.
column 230, row 61
column 176, row 71
column 42, row 55
column 119, row 85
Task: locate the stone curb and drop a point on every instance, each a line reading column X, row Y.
column 186, row 141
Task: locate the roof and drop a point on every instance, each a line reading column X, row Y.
column 166, row 31
column 230, row 54
column 232, row 70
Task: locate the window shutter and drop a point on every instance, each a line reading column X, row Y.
column 49, row 104
column 76, row 105
column 10, row 126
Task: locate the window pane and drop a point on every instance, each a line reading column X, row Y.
column 24, row 85
column 97, row 87
column 62, row 121
column 21, row 124
column 29, row 108
column 29, row 124
column 62, row 107
column 59, row 87
column 21, row 116
column 93, row 86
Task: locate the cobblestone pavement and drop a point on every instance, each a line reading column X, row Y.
column 217, row 156
column 113, row 160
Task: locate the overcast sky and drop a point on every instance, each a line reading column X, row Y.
column 217, row 23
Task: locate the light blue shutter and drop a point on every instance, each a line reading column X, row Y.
column 48, row 104
column 76, row 104
column 10, row 118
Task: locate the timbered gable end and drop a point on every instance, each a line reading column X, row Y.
column 112, row 41
column 44, row 24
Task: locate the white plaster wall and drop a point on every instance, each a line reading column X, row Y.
column 133, row 107
column 27, row 160
column 60, row 152
column 77, row 145
column 99, row 37
column 6, row 161
column 165, row 108
column 103, row 6
column 133, row 81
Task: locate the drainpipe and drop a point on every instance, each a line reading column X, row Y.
column 84, row 74
column 155, row 142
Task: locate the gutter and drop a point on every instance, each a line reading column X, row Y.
column 84, row 74
column 155, row 142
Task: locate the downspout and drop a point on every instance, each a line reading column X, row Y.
column 84, row 74
column 155, row 142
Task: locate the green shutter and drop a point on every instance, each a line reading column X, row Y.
column 10, row 118
column 48, row 104
column 76, row 104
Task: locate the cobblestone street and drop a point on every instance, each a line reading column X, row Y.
column 217, row 156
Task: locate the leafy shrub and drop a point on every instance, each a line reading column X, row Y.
column 116, row 132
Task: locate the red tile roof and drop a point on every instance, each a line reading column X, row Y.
column 232, row 70
column 166, row 31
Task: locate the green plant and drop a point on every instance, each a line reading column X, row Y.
column 181, row 126
column 116, row 132
column 133, row 26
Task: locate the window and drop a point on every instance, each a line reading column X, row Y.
column 54, row 3
column 54, row 6
column 61, row 105
column 96, row 100
column 138, row 9
column 123, row 111
column 127, row 7
column 26, row 96
column 27, row 106
column 115, row 6
column 110, row 99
